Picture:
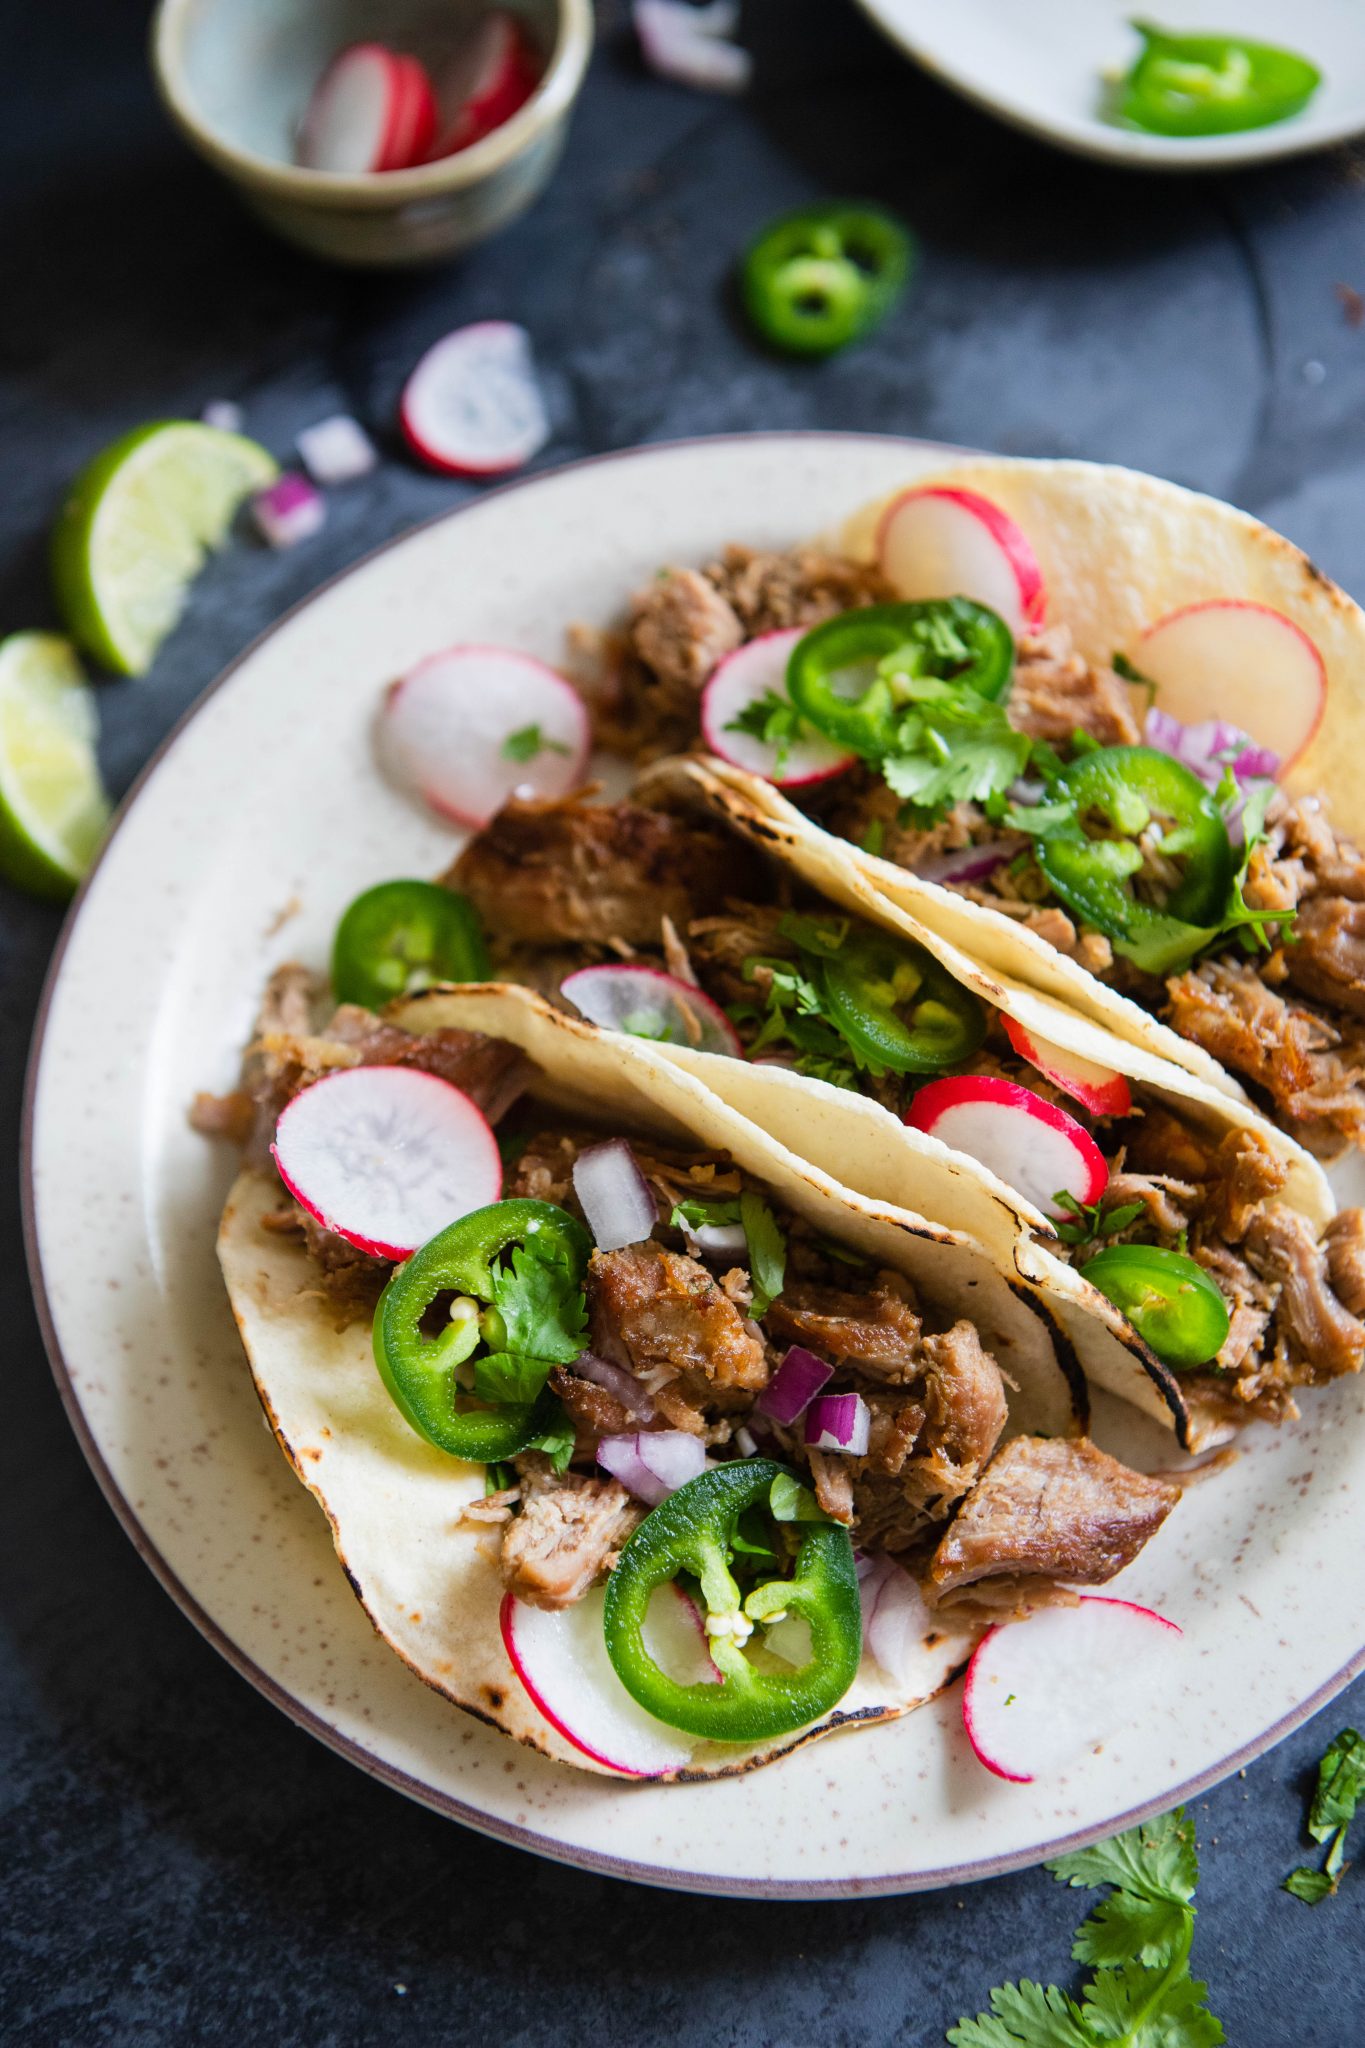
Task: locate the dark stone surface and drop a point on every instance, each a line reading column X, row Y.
column 181, row 1865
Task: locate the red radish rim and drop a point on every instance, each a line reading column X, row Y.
column 1028, row 570
column 443, row 464
column 581, row 753
column 416, row 103
column 1253, row 604
column 542, row 1706
column 1112, row 1098
column 1083, row 1600
column 694, row 995
column 951, row 1089
column 374, row 53
column 375, row 1246
column 817, row 775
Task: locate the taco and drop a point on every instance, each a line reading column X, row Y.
column 1190, row 1247
column 1100, row 732
column 605, row 1495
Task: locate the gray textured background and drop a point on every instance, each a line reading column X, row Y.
column 179, row 1864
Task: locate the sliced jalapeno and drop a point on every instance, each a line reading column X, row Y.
column 818, row 279
column 843, row 675
column 692, row 1533
column 1168, row 1298
column 1212, row 84
column 401, row 936
column 894, row 1004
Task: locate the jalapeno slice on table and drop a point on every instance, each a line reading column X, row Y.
column 1133, row 791
column 844, row 675
column 1168, row 1298
column 894, row 1004
column 401, row 936
column 691, row 1534
column 1212, row 84
column 818, row 279
column 422, row 1373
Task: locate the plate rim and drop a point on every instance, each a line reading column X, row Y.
column 1124, row 148
column 514, row 1834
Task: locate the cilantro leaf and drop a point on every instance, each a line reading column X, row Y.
column 557, row 1442
column 767, row 1252
column 509, row 1376
column 874, row 836
column 539, row 1296
column 1091, row 1219
column 774, row 719
column 1137, row 2007
column 527, row 742
column 692, row 1213
column 1341, row 1785
column 1125, row 1925
column 952, row 745
column 1312, row 1886
column 1156, row 1861
column 1025, row 2015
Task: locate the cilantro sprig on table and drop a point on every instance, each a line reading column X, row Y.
column 1137, row 1941
column 1340, row 1788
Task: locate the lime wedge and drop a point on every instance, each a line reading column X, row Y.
column 137, row 528
column 53, row 809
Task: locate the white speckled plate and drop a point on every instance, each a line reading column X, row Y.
column 1041, row 67
column 258, row 821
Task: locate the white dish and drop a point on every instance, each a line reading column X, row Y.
column 1042, row 67
column 252, row 829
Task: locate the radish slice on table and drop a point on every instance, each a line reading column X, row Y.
column 1098, row 1089
column 472, row 407
column 647, row 1003
column 561, row 1659
column 1234, row 659
column 386, row 1156
column 941, row 542
column 752, row 672
column 1030, row 1144
column 492, row 75
column 1042, row 1693
column 370, row 111
column 475, row 725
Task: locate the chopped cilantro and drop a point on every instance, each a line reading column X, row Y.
column 1092, row 1219
column 541, row 1304
column 557, row 1443
column 774, row 719
column 1137, row 1940
column 693, row 1214
column 767, row 1252
column 510, row 1376
column 498, row 1478
column 527, row 742
column 1250, row 923
column 1340, row 1788
column 1122, row 666
column 952, row 745
column 874, row 835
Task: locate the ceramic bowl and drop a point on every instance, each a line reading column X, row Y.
column 236, row 76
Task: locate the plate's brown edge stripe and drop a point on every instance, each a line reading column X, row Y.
column 511, row 1832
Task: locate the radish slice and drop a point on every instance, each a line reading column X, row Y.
column 493, row 74
column 1042, row 1693
column 472, row 407
column 759, row 669
column 370, row 111
column 475, row 725
column 940, row 542
column 647, row 1003
column 561, row 1659
column 1098, row 1089
column 1234, row 659
column 386, row 1156
column 1029, row 1144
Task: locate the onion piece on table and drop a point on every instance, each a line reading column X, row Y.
column 1042, row 1693
column 939, row 541
column 386, row 1156
column 755, row 671
column 616, row 1198
column 288, row 511
column 794, row 1385
column 1031, row 1145
column 560, row 1657
column 838, row 1422
column 472, row 726
column 472, row 407
column 1231, row 655
column 647, row 1003
column 653, row 1463
column 692, row 45
column 336, row 450
column 1098, row 1089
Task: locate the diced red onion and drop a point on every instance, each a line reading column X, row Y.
column 288, row 511
column 968, row 863
column 225, row 414
column 720, row 1240
column 1209, row 747
column 691, row 44
column 336, row 450
column 654, row 1462
column 838, row 1422
column 895, row 1619
column 745, row 1442
column 616, row 1381
column 615, row 1195
column 794, row 1385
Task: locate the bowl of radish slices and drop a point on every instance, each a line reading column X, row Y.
column 380, row 133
